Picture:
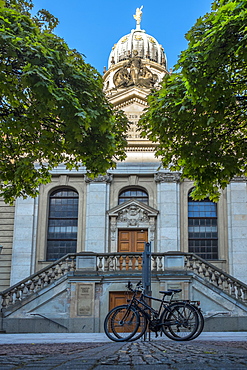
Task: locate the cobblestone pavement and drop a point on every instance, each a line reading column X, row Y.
column 155, row 355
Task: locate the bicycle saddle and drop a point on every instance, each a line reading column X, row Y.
column 165, row 292
column 175, row 290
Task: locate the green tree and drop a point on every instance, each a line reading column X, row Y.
column 52, row 107
column 198, row 118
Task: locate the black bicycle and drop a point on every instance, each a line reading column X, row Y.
column 178, row 320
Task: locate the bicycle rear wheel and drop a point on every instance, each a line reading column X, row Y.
column 180, row 321
column 121, row 323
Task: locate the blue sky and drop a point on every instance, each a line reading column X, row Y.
column 93, row 27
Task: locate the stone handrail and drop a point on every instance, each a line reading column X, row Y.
column 123, row 262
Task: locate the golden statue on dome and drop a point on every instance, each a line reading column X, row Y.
column 138, row 17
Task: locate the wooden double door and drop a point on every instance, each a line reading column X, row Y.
column 132, row 241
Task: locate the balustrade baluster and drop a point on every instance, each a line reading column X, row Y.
column 124, row 263
column 11, row 296
column 187, row 263
column 245, row 295
column 154, row 267
column 111, row 264
column 26, row 288
column 73, row 263
column 239, row 292
column 130, row 263
column 207, row 270
column 213, row 277
column 39, row 283
column 220, row 281
column 18, row 294
column 233, row 289
column 4, row 300
column 136, row 263
column 160, row 263
column 194, row 265
column 46, row 278
column 53, row 273
column 100, row 267
column 32, row 286
column 200, row 269
column 66, row 267
column 106, row 264
column 59, row 270
column 118, row 264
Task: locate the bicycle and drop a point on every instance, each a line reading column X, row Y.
column 178, row 320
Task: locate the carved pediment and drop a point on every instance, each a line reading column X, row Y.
column 133, row 213
column 151, row 212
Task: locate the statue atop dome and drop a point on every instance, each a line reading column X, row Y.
column 138, row 17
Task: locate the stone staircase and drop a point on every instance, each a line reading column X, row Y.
column 221, row 295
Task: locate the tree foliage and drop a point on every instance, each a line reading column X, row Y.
column 199, row 116
column 52, row 107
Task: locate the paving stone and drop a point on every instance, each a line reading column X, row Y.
column 127, row 356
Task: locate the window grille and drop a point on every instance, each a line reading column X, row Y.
column 133, row 193
column 62, row 223
column 202, row 228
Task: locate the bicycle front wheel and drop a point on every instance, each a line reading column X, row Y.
column 121, row 323
column 200, row 323
column 141, row 328
column 180, row 321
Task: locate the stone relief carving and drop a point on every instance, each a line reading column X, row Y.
column 133, row 215
column 100, row 178
column 152, row 228
column 135, row 73
column 113, row 228
column 167, row 177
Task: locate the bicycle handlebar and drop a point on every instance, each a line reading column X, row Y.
column 137, row 287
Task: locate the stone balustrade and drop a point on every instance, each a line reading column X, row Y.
column 217, row 277
column 120, row 262
column 38, row 281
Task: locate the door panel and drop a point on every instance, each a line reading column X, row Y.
column 124, row 241
column 132, row 240
column 141, row 238
column 117, row 299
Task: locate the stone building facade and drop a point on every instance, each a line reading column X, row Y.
column 114, row 215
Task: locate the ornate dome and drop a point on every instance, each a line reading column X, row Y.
column 137, row 44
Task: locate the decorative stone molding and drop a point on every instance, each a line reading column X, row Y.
column 141, row 148
column 167, row 177
column 130, row 102
column 239, row 179
column 133, row 215
column 113, row 228
column 101, row 178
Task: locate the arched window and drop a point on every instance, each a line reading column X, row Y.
column 203, row 231
column 133, row 193
column 62, row 223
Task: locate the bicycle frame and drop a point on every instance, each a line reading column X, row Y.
column 135, row 302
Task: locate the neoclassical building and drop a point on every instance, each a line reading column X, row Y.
column 68, row 254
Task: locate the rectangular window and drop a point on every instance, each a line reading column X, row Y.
column 203, row 229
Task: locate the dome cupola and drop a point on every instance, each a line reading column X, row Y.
column 137, row 44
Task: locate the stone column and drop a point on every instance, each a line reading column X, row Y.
column 97, row 205
column 237, row 228
column 168, row 222
column 24, row 239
